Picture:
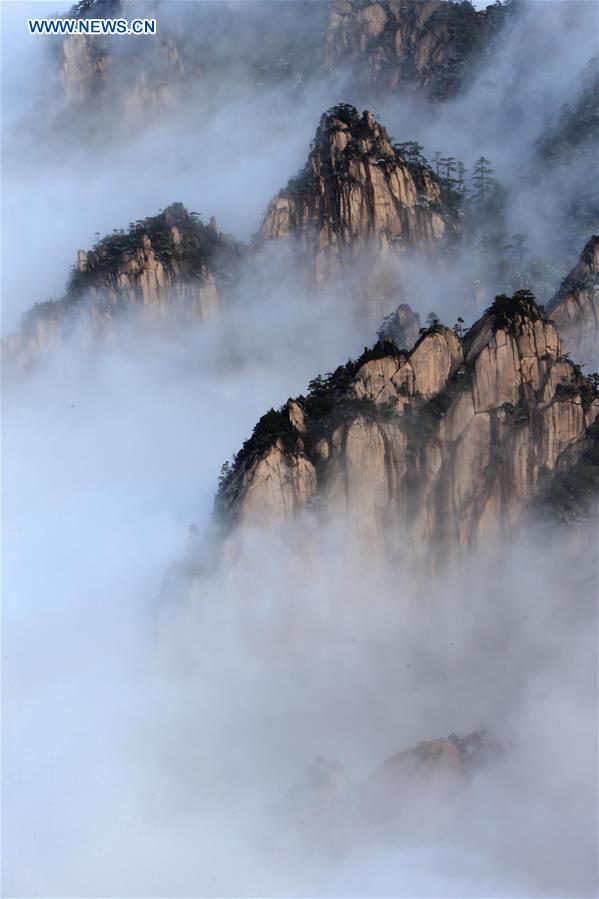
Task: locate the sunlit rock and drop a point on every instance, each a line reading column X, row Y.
column 445, row 445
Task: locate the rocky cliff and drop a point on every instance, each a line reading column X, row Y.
column 376, row 48
column 324, row 800
column 359, row 202
column 401, row 326
column 168, row 264
column 357, row 207
column 138, row 81
column 197, row 46
column 446, row 444
column 575, row 308
column 431, row 45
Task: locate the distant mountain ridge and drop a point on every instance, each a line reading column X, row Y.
column 430, row 47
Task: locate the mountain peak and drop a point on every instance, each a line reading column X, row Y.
column 169, row 263
column 344, row 135
column 345, row 117
column 360, row 198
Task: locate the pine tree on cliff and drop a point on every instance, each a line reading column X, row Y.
column 450, row 166
column 486, row 217
column 412, row 152
column 483, row 181
column 461, row 180
column 459, row 328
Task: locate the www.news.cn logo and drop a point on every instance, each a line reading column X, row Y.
column 92, row 26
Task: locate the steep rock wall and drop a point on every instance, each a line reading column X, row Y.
column 360, row 203
column 167, row 265
column 445, row 445
column 196, row 47
column 391, row 45
column 575, row 308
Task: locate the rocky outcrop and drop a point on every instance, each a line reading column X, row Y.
column 575, row 308
column 359, row 202
column 324, row 800
column 139, row 81
column 170, row 259
column 391, row 45
column 167, row 265
column 436, row 769
column 444, row 445
column 197, row 46
column 401, row 326
column 430, row 46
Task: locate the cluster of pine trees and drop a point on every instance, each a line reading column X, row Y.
column 502, row 261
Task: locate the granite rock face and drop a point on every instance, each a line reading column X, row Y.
column 444, row 445
column 575, row 308
column 353, row 213
column 169, row 265
column 196, row 47
column 430, row 46
column 95, row 69
column 172, row 259
column 360, row 205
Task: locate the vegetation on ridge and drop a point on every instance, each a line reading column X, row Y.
column 198, row 248
column 329, row 400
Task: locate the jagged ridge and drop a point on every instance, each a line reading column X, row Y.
column 358, row 205
column 357, row 186
column 174, row 245
column 431, row 45
column 167, row 261
column 385, row 46
column 448, row 442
